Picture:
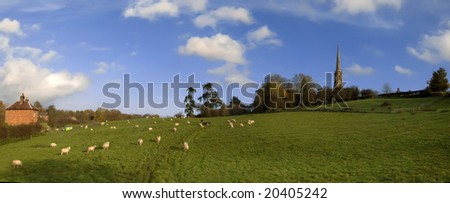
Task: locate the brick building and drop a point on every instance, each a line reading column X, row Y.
column 21, row 113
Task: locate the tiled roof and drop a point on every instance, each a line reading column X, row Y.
column 23, row 104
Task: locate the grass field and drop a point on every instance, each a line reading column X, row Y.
column 303, row 146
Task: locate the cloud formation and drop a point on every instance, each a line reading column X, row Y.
column 403, row 71
column 152, row 9
column 354, row 7
column 218, row 47
column 433, row 48
column 225, row 13
column 232, row 73
column 264, row 35
column 357, row 69
column 22, row 71
column 8, row 26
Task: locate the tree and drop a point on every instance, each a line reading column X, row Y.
column 439, row 81
column 38, row 105
column 386, row 89
column 2, row 112
column 210, row 99
column 368, row 93
column 51, row 111
column 189, row 102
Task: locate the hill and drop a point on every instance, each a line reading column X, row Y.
column 302, row 146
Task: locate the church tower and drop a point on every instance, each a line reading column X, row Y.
column 338, row 72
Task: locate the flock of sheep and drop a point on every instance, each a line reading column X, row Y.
column 65, row 151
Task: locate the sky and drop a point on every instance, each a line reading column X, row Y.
column 63, row 52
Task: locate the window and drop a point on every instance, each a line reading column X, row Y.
column 34, row 115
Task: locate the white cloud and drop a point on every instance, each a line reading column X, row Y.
column 4, row 43
column 354, row 7
column 356, row 69
column 23, row 75
column 9, row 26
column 103, row 67
column 35, row 27
column 264, row 35
column 49, row 56
column 226, row 13
column 218, row 47
column 433, row 48
column 194, row 5
column 150, row 10
column 403, row 71
column 231, row 73
column 21, row 72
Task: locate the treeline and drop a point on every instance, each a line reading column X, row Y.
column 276, row 93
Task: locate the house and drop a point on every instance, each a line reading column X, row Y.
column 21, row 113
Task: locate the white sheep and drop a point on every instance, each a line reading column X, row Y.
column 150, row 129
column 174, row 129
column 65, row 151
column 128, row 121
column 92, row 129
column 140, row 141
column 233, row 120
column 201, row 125
column 171, row 119
column 186, row 146
column 231, row 125
column 16, row 163
column 188, row 122
column 52, row 145
column 251, row 122
column 106, row 145
column 137, row 126
column 102, row 123
column 91, row 148
column 241, row 124
column 177, row 124
column 158, row 139
column 86, row 127
column 113, row 127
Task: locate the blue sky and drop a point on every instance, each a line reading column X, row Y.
column 63, row 52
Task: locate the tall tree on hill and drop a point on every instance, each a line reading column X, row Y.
column 51, row 111
column 386, row 89
column 439, row 81
column 189, row 102
column 210, row 99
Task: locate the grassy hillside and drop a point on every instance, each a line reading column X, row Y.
column 280, row 147
column 399, row 104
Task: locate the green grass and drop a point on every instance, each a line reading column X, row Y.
column 301, row 146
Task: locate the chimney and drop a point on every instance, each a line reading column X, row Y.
column 22, row 98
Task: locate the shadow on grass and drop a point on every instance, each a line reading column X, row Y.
column 60, row 171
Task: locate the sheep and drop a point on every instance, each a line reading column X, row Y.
column 174, row 129
column 105, row 145
column 65, row 151
column 231, row 125
column 86, row 127
column 186, row 146
column 201, row 125
column 158, row 139
column 177, row 124
column 171, row 119
column 137, row 126
column 233, row 120
column 113, row 127
column 92, row 129
column 140, row 141
column 241, row 124
column 250, row 122
column 188, row 122
column 150, row 129
column 91, row 148
column 52, row 145
column 16, row 163
column 102, row 123
column 128, row 121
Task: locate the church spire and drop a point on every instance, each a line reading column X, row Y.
column 338, row 72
